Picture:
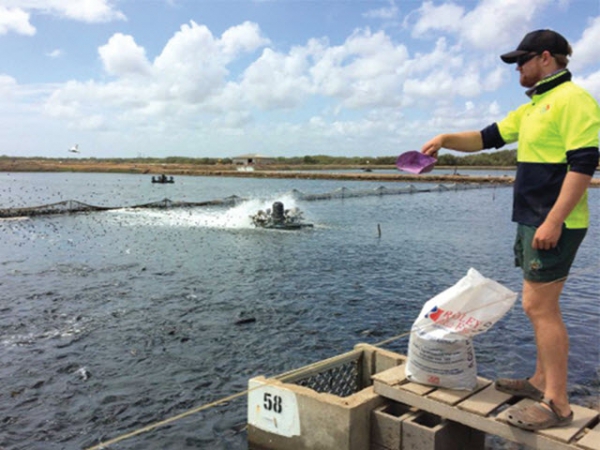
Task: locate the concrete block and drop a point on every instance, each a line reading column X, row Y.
column 377, row 360
column 283, row 415
column 426, row 431
column 309, row 420
column 386, row 425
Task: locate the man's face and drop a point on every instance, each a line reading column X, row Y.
column 530, row 70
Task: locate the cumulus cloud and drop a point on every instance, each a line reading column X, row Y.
column 86, row 10
column 366, row 70
column 586, row 51
column 7, row 86
column 491, row 25
column 121, row 56
column 15, row 15
column 591, row 83
column 276, row 80
column 82, row 10
column 191, row 71
column 190, row 79
column 495, row 24
column 15, row 20
column 445, row 17
column 365, row 85
column 246, row 37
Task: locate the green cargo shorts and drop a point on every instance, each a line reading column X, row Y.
column 546, row 265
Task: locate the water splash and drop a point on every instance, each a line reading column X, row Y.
column 236, row 217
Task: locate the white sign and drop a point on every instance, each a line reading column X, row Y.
column 273, row 409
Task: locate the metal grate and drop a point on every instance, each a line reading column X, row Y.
column 342, row 380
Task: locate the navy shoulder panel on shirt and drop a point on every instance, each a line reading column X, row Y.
column 583, row 160
column 491, row 137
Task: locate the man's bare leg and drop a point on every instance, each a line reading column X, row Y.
column 541, row 304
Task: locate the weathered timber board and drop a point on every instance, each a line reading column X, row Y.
column 591, row 440
column 485, row 402
column 453, row 396
column 476, row 409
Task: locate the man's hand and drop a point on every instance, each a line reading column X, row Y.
column 547, row 235
column 465, row 141
column 432, row 146
column 573, row 188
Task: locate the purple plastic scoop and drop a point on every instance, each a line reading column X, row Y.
column 415, row 162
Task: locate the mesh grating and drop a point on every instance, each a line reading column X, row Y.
column 342, row 380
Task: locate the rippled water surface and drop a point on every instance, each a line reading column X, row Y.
column 114, row 320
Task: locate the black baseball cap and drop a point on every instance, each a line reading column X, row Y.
column 538, row 42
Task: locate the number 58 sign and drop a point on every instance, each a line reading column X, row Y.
column 273, row 409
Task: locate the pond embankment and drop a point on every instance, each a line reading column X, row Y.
column 356, row 173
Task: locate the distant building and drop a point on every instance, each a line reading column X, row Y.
column 252, row 160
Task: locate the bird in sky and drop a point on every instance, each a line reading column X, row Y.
column 75, row 149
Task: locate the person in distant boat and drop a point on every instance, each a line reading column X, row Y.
column 557, row 155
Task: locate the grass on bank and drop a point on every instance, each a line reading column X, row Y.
column 501, row 159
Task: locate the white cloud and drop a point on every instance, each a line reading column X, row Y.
column 203, row 84
column 491, row 25
column 15, row 15
column 388, row 13
column 246, row 37
column 7, row 86
column 122, row 57
column 57, row 53
column 495, row 78
column 496, row 24
column 472, row 116
column 87, row 10
column 82, row 10
column 189, row 73
column 446, row 17
column 591, row 83
column 586, row 51
column 277, row 81
column 192, row 66
column 15, row 20
column 494, row 109
column 367, row 70
column 189, row 84
column 435, row 85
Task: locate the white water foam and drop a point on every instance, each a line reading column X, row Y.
column 236, row 217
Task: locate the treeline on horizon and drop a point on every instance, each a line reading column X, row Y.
column 502, row 158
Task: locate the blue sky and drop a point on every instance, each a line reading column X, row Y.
column 200, row 78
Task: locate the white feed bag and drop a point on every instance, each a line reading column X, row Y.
column 440, row 349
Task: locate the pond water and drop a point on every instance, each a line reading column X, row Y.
column 114, row 320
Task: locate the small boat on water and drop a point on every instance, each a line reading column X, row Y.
column 279, row 218
column 163, row 179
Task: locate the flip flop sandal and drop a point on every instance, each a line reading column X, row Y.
column 538, row 417
column 519, row 388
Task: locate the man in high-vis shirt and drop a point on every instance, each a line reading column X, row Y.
column 557, row 134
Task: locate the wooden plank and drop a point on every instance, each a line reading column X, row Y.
column 591, row 439
column 391, row 377
column 416, row 388
column 485, row 424
column 454, row 396
column 486, row 401
column 582, row 417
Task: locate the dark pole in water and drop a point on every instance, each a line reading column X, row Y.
column 378, row 230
